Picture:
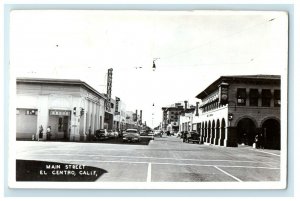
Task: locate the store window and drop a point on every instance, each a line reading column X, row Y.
column 277, row 98
column 241, row 96
column 254, row 95
column 31, row 112
column 266, row 98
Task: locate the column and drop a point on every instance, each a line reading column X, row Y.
column 220, row 136
column 231, row 137
column 215, row 136
column 212, row 135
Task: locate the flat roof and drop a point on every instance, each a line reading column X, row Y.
column 58, row 81
column 236, row 78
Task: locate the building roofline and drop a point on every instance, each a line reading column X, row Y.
column 58, row 81
column 221, row 79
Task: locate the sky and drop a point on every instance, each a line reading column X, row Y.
column 192, row 49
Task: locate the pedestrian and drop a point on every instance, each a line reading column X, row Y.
column 41, row 129
column 48, row 133
column 257, row 142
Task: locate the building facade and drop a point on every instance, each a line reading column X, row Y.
column 187, row 118
column 234, row 109
column 71, row 108
column 171, row 117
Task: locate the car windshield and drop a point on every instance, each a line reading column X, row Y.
column 131, row 131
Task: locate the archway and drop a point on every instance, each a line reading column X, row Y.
column 223, row 127
column 271, row 133
column 202, row 132
column 209, row 132
column 205, row 132
column 246, row 131
column 213, row 129
column 217, row 132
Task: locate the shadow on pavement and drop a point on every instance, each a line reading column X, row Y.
column 31, row 170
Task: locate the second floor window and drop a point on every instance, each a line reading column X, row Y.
column 241, row 96
column 253, row 95
column 276, row 98
column 266, row 98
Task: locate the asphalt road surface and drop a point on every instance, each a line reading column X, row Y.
column 165, row 159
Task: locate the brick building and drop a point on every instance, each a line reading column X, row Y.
column 236, row 108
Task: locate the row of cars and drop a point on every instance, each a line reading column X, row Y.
column 190, row 136
column 129, row 135
column 103, row 134
column 187, row 136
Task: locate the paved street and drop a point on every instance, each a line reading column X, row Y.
column 165, row 159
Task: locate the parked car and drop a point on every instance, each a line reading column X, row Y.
column 113, row 133
column 143, row 133
column 158, row 133
column 131, row 135
column 177, row 134
column 101, row 134
column 193, row 137
column 151, row 134
column 116, row 134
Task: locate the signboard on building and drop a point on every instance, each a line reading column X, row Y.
column 117, row 106
column 60, row 113
column 109, row 87
column 223, row 93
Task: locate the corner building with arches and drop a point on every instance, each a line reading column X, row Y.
column 234, row 109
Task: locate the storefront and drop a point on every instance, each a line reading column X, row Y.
column 70, row 108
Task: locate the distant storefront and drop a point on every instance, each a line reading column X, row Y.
column 71, row 108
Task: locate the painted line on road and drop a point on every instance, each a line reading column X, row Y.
column 144, row 162
column 266, row 152
column 148, row 157
column 149, row 173
column 228, row 174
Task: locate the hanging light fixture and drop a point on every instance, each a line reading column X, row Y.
column 154, row 66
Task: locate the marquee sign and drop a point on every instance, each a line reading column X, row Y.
column 109, row 86
column 117, row 106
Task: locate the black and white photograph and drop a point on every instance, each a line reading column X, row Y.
column 145, row 99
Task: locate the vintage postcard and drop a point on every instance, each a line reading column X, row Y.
column 148, row 99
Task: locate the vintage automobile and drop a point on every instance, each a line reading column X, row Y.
column 193, row 137
column 131, row 135
column 158, row 133
column 113, row 134
column 101, row 134
column 143, row 133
